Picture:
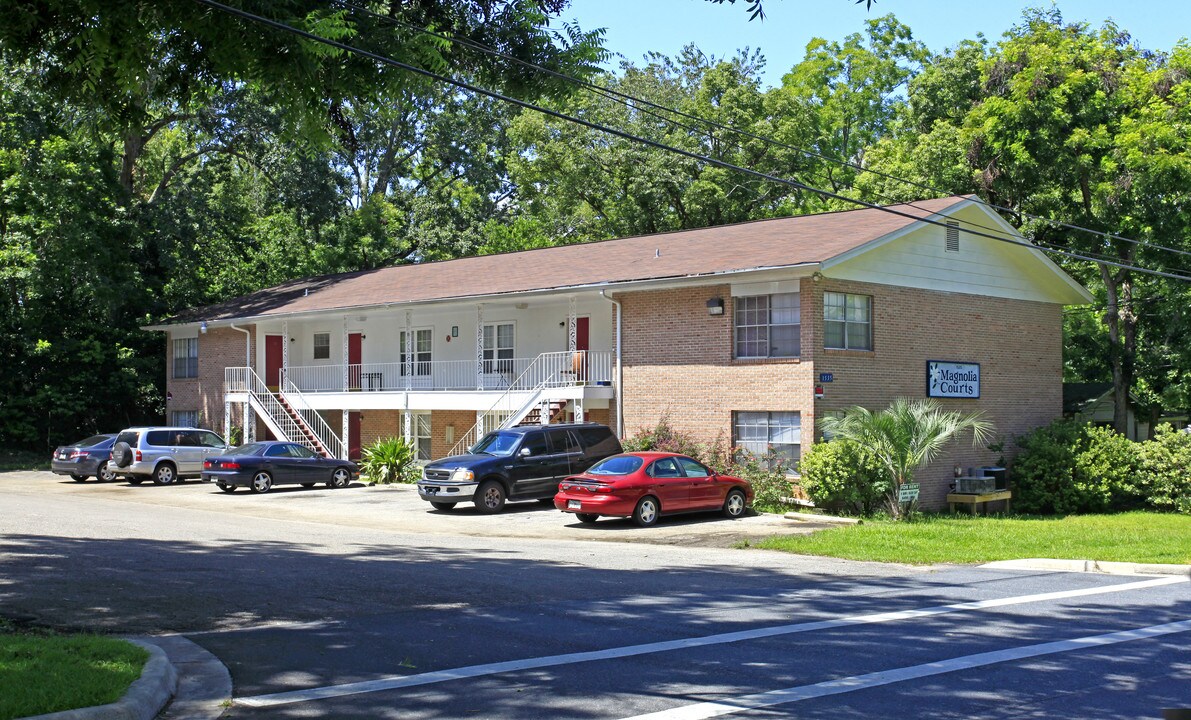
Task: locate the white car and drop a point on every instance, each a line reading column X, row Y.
column 163, row 454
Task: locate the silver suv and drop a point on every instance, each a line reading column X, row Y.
column 164, row 454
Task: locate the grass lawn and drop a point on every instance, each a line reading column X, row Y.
column 44, row 672
column 1127, row 537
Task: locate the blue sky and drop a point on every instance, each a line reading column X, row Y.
column 637, row 26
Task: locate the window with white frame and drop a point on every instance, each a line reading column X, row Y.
column 771, row 437
column 847, row 321
column 768, row 326
column 498, row 348
column 417, row 357
column 322, row 346
column 421, row 436
column 184, row 418
column 186, row 357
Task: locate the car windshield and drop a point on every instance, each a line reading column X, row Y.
column 248, row 449
column 93, row 440
column 616, row 465
column 500, row 444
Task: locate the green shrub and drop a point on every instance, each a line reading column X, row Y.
column 663, row 438
column 1166, row 469
column 773, row 487
column 836, row 474
column 410, row 474
column 1069, row 467
column 385, row 461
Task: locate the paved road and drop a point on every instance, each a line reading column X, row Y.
column 362, row 603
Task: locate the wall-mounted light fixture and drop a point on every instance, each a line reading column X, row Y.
column 454, row 331
column 203, row 327
column 715, row 306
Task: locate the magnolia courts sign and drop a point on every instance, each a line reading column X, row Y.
column 952, row 379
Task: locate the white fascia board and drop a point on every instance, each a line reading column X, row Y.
column 890, row 237
column 719, row 278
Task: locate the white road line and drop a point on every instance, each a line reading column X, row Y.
column 402, row 681
column 913, row 672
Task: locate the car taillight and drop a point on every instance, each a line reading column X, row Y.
column 138, row 455
column 231, row 465
column 76, row 454
column 207, row 465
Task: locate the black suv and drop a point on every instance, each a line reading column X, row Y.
column 519, row 463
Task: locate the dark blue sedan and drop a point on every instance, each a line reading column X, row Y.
column 85, row 459
column 259, row 466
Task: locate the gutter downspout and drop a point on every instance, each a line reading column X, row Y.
column 227, row 423
column 619, row 371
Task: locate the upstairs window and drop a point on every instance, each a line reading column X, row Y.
column 498, row 348
column 768, row 326
column 847, row 321
column 417, row 358
column 186, row 358
column 322, row 346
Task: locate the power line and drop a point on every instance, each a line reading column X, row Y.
column 645, row 141
column 627, row 99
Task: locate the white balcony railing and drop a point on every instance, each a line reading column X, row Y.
column 585, row 367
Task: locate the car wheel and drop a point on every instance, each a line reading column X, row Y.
column 261, row 482
column 341, row 478
column 646, row 512
column 442, row 505
column 734, row 504
column 79, row 478
column 225, row 487
column 308, row 485
column 104, row 472
column 490, row 498
column 135, row 481
column 122, row 454
column 587, row 518
column 165, row 474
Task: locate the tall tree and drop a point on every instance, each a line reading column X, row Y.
column 1070, row 122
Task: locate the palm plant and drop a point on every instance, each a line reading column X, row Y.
column 905, row 437
column 386, row 459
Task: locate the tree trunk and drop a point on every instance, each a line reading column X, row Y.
column 134, row 145
column 1122, row 335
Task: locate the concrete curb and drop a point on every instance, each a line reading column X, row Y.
column 147, row 695
column 1090, row 566
column 829, row 519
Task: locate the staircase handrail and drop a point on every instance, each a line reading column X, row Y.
column 318, row 426
column 473, row 434
column 268, row 403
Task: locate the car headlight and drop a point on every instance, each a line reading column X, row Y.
column 462, row 475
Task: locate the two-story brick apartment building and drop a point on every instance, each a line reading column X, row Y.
column 745, row 332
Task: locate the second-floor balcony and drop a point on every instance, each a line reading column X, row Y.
column 556, row 369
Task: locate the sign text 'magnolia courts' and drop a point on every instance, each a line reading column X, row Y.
column 952, row 379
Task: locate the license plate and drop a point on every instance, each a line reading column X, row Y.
column 573, row 504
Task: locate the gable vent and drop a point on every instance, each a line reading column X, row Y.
column 952, row 236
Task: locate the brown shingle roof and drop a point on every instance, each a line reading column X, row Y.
column 687, row 253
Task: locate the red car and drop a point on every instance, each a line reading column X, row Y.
column 645, row 485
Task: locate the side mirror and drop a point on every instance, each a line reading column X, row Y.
column 524, row 452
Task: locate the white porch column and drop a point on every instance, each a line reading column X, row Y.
column 407, row 357
column 227, row 420
column 480, row 429
column 579, row 410
column 407, row 421
column 344, row 356
column 572, row 327
column 284, row 351
column 346, row 438
column 480, row 349
column 249, row 431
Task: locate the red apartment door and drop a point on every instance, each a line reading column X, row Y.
column 274, row 347
column 581, row 333
column 353, row 436
column 355, row 354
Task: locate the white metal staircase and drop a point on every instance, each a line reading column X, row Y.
column 288, row 418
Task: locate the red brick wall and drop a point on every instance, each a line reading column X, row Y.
column 463, row 420
column 1017, row 343
column 377, row 425
column 219, row 348
column 678, row 364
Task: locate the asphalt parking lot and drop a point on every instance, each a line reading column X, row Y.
column 398, row 508
column 361, row 603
